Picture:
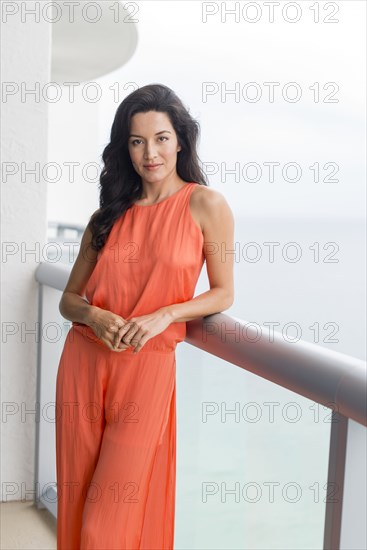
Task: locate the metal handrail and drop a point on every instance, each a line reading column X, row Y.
column 328, row 377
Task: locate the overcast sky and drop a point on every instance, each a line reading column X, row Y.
column 283, row 154
column 177, row 48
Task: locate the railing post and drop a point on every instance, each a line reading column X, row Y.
column 38, row 501
column 335, row 481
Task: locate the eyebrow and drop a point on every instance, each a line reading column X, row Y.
column 161, row 132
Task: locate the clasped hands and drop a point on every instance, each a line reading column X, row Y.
column 119, row 333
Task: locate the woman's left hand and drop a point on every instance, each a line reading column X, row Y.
column 138, row 330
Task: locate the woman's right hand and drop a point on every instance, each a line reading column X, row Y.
column 105, row 324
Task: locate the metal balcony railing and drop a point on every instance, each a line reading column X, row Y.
column 330, row 378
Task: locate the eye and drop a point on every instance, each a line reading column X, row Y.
column 133, row 142
column 163, row 137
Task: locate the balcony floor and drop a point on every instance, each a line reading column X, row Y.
column 24, row 526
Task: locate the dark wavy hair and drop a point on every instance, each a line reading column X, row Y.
column 120, row 185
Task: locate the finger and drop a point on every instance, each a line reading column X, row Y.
column 118, row 348
column 135, row 341
column 116, row 325
column 117, row 338
column 138, row 346
column 125, row 340
column 121, row 346
column 123, row 330
column 130, row 334
column 121, row 334
column 107, row 343
column 140, row 341
column 122, row 342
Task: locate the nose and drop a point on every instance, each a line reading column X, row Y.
column 149, row 152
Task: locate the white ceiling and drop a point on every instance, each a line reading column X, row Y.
column 83, row 50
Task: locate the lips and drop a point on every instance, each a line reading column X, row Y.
column 152, row 167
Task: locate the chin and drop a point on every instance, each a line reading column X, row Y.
column 154, row 175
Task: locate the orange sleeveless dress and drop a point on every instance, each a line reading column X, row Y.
column 116, row 411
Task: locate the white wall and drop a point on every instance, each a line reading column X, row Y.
column 25, row 60
column 73, row 138
column 50, row 133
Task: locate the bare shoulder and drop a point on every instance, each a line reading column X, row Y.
column 207, row 205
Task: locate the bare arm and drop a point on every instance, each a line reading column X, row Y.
column 217, row 224
column 73, row 305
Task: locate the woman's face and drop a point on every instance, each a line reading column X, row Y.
column 153, row 141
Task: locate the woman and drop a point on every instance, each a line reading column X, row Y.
column 129, row 295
